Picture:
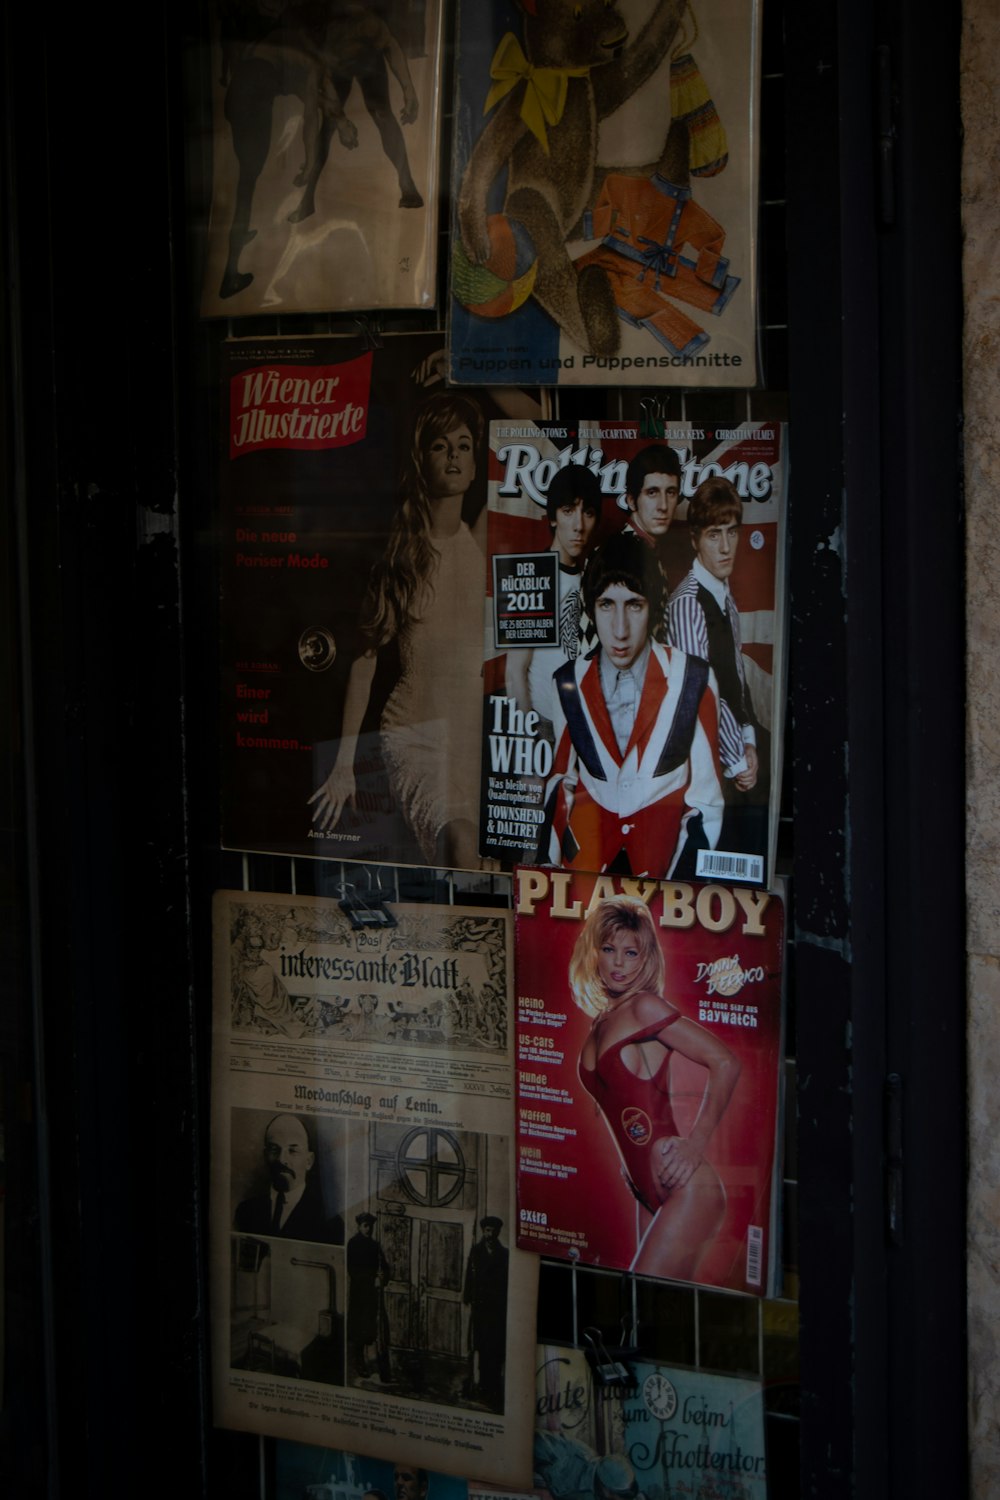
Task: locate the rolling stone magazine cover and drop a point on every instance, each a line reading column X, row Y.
column 605, row 193
column 649, row 1056
column 365, row 1285
column 669, row 1432
column 353, row 574
column 695, row 517
column 326, row 124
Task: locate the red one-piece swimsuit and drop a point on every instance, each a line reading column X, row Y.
column 638, row 1110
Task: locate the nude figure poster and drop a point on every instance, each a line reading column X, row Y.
column 634, row 647
column 676, row 1432
column 326, row 122
column 604, row 193
column 353, row 575
column 649, row 1036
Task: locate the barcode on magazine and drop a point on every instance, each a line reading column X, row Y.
column 755, row 1254
column 733, row 866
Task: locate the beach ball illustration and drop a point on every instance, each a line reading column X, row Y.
column 506, row 280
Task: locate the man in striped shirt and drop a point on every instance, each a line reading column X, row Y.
column 703, row 621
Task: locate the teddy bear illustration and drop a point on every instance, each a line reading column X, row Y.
column 574, row 66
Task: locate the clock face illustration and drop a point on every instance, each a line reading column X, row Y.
column 659, row 1396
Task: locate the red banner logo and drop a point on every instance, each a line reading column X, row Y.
column 299, row 406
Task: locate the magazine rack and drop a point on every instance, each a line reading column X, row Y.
column 109, row 549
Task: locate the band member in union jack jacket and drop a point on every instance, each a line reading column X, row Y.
column 634, row 787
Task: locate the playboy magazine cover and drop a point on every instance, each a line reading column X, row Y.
column 604, row 193
column 649, row 1057
column 634, row 647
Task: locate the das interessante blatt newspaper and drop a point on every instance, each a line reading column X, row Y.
column 366, row 1291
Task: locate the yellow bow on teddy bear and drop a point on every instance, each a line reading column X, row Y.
column 545, row 88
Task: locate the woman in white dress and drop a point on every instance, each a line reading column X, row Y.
column 426, row 592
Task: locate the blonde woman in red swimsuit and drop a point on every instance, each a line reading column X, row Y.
column 617, row 976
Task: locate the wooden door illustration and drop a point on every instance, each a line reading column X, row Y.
column 425, row 1179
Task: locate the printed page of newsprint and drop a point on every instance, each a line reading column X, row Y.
column 605, row 210
column 326, row 121
column 366, row 1292
column 669, row 1432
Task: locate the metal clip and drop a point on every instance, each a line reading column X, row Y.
column 366, row 911
column 369, row 325
column 608, row 1365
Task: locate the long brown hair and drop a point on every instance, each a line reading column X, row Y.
column 400, row 578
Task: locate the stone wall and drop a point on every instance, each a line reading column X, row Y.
column 981, row 270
